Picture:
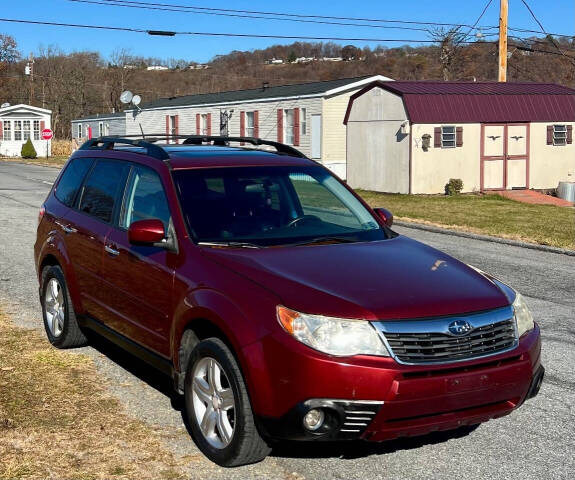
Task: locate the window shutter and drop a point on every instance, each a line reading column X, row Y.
column 296, row 126
column 198, row 126
column 437, row 137
column 459, row 137
column 569, row 133
column 177, row 127
column 280, row 124
column 242, row 125
column 42, row 126
column 257, row 124
column 209, row 124
column 1, row 130
column 167, row 128
column 549, row 134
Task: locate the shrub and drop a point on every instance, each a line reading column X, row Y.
column 28, row 150
column 454, row 186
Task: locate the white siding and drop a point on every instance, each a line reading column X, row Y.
column 13, row 148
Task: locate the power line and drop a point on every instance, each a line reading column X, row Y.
column 477, row 21
column 323, row 17
column 124, row 4
column 548, row 36
column 214, row 34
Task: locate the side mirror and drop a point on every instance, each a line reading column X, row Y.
column 385, row 215
column 146, row 232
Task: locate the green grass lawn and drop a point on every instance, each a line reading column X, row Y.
column 487, row 214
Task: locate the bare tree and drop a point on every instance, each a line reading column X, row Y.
column 449, row 41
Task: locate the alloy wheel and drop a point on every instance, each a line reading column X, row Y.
column 55, row 309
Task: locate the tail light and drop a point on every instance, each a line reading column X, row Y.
column 41, row 214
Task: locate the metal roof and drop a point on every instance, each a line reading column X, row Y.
column 100, row 116
column 481, row 102
column 235, row 96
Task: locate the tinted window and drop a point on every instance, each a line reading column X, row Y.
column 71, row 180
column 102, row 188
column 145, row 198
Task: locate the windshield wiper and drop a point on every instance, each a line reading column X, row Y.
column 229, row 244
column 329, row 239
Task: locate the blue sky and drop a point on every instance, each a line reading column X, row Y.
column 557, row 16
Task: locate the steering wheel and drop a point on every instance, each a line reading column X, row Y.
column 295, row 221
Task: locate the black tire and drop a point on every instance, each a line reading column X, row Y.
column 246, row 445
column 70, row 335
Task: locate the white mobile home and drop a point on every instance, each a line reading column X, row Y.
column 18, row 123
column 308, row 116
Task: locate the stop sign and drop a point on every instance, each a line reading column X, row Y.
column 47, row 134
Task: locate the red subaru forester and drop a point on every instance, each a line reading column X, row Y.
column 280, row 303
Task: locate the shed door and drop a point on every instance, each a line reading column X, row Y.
column 504, row 156
column 316, row 136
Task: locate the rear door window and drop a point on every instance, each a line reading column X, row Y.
column 103, row 188
column 71, row 180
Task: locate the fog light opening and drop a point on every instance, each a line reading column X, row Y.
column 314, row 419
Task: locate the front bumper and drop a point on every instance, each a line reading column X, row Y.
column 403, row 400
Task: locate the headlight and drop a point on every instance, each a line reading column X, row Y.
column 336, row 336
column 523, row 316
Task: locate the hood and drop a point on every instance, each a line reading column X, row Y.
column 398, row 278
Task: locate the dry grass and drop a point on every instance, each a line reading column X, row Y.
column 56, row 421
column 61, row 148
column 53, row 161
column 486, row 214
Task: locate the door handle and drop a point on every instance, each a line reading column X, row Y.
column 111, row 251
column 66, row 228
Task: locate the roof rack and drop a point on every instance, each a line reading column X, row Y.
column 107, row 143
column 156, row 151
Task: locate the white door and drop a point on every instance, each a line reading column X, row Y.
column 316, row 136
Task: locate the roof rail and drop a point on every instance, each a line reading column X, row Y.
column 157, row 151
column 107, row 143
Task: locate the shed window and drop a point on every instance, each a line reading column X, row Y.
column 7, row 130
column 447, row 136
column 559, row 134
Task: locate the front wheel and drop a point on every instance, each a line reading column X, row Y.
column 218, row 407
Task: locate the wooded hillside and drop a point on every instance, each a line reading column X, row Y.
column 79, row 84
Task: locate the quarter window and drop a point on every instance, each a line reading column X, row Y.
column 145, row 198
column 448, row 136
column 559, row 134
column 71, row 180
column 102, row 188
column 7, row 130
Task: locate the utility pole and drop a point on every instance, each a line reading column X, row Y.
column 503, row 11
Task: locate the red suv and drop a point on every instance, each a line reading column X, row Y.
column 282, row 305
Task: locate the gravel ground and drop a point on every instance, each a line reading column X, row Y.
column 536, row 441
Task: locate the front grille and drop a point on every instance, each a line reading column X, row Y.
column 442, row 348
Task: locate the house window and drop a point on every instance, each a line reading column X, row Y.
column 173, row 129
column 448, row 136
column 303, row 121
column 79, row 130
column 101, row 129
column 7, row 130
column 36, row 126
column 288, row 126
column 26, row 130
column 17, row 129
column 204, row 124
column 250, row 124
column 559, row 134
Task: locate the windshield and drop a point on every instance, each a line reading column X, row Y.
column 264, row 206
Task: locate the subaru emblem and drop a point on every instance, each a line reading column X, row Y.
column 459, row 327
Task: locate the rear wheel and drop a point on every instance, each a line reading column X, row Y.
column 218, row 407
column 60, row 321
